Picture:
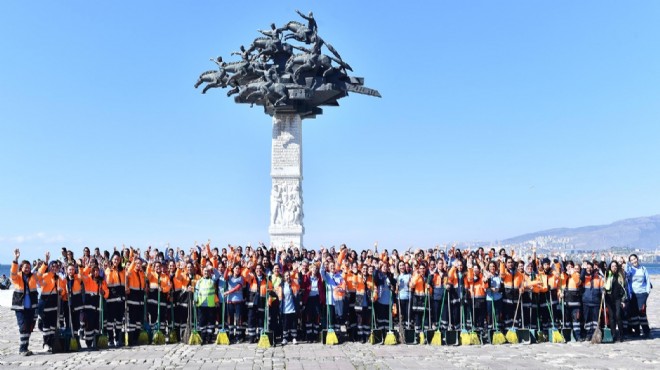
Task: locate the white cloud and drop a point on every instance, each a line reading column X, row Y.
column 39, row 237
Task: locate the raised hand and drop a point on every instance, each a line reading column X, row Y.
column 17, row 253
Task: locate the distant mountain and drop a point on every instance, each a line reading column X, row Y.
column 641, row 232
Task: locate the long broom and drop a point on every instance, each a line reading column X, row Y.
column 554, row 335
column 187, row 332
column 57, row 346
column 331, row 337
column 511, row 335
column 597, row 337
column 102, row 340
column 474, row 337
column 159, row 337
column 607, row 332
column 195, row 338
column 222, row 338
column 498, row 337
column 437, row 336
column 390, row 338
column 402, row 336
column 465, row 336
column 73, row 342
column 172, row 337
column 422, row 335
column 264, row 341
column 126, row 316
column 143, row 336
column 372, row 337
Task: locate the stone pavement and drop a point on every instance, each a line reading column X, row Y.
column 628, row 355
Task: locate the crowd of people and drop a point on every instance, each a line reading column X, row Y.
column 294, row 294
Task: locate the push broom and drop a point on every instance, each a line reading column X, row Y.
column 511, row 335
column 498, row 337
column 554, row 335
column 437, row 336
column 195, row 338
column 172, row 337
column 159, row 337
column 331, row 336
column 264, row 341
column 223, row 338
column 474, row 337
column 390, row 338
column 143, row 336
column 102, row 340
column 73, row 342
column 597, row 337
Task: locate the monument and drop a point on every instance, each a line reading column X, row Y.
column 287, row 73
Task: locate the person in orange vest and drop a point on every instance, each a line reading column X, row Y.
column 419, row 287
column 363, row 297
column 115, row 279
column 94, row 287
column 24, row 300
column 184, row 284
column 549, row 297
column 571, row 286
column 351, row 277
column 73, row 304
column 512, row 279
column 591, row 297
column 258, row 285
column 158, row 283
column 135, row 290
column 287, row 292
column 51, row 284
column 385, row 283
column 478, row 288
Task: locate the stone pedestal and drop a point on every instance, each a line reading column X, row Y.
column 286, row 204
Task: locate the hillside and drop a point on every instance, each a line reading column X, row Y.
column 641, row 232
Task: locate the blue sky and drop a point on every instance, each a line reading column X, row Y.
column 497, row 119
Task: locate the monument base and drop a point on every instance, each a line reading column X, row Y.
column 286, row 237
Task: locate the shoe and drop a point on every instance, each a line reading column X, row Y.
column 284, row 342
column 294, row 341
column 27, row 353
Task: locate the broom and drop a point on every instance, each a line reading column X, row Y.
column 186, row 332
column 422, row 336
column 498, row 337
column 465, row 336
column 159, row 337
column 437, row 336
column 223, row 338
column 331, row 336
column 555, row 335
column 597, row 337
column 102, row 340
column 264, row 341
column 541, row 337
column 372, row 338
column 172, row 338
column 390, row 338
column 195, row 338
column 57, row 346
column 511, row 335
column 143, row 336
column 126, row 317
column 474, row 337
column 73, row 343
column 607, row 332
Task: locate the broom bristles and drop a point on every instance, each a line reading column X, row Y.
column 498, row 338
column 173, row 338
column 102, row 342
column 143, row 338
column 390, row 338
column 222, row 339
column 372, row 339
column 474, row 338
column 541, row 337
column 512, row 337
column 195, row 339
column 264, row 341
column 437, row 338
column 73, row 345
column 331, row 338
column 422, row 338
column 557, row 337
column 159, row 338
column 597, row 338
column 466, row 340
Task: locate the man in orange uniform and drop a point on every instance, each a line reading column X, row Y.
column 24, row 300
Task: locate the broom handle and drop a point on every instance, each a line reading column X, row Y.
column 222, row 319
column 158, row 309
column 600, row 309
column 515, row 314
column 492, row 303
column 390, row 323
column 101, row 309
column 70, row 308
column 442, row 307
